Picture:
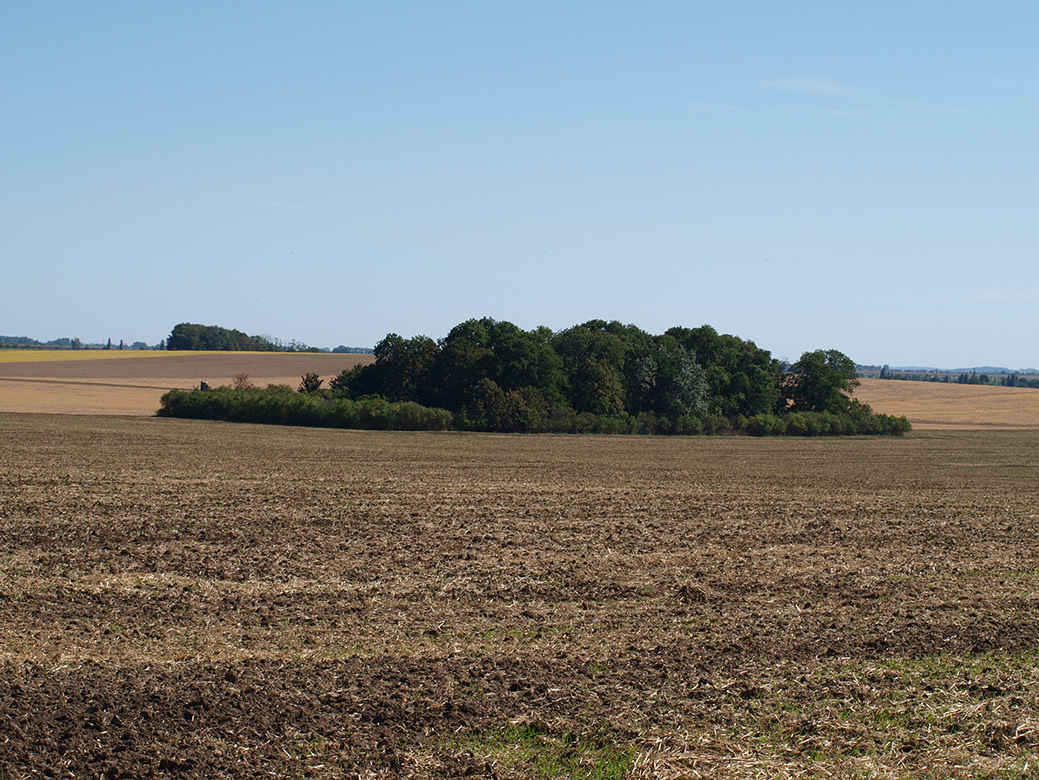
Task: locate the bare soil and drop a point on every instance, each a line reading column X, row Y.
column 195, row 600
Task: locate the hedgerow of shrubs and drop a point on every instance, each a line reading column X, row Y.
column 278, row 404
column 281, row 405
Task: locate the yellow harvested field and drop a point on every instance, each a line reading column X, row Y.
column 126, row 382
column 940, row 406
column 61, row 355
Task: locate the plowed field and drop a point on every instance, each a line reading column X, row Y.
column 196, row 600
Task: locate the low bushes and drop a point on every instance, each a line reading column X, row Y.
column 281, row 405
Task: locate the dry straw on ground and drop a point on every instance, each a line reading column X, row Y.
column 212, row 600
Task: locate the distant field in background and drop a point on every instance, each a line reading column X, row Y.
column 131, row 382
column 936, row 406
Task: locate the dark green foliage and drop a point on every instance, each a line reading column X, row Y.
column 403, row 368
column 813, row 424
column 716, row 424
column 464, row 363
column 278, row 404
column 341, row 384
column 869, row 423
column 860, row 420
column 611, row 369
column 401, row 371
column 598, row 377
column 765, row 425
column 742, row 379
column 191, row 336
column 593, row 357
column 821, row 381
column 677, row 385
column 310, row 383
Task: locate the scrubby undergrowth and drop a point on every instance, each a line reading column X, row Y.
column 280, row 405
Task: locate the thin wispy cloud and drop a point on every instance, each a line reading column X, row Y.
column 810, row 86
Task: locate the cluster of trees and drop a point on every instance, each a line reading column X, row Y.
column 495, row 376
column 191, row 336
column 600, row 376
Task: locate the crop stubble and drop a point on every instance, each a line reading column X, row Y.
column 197, row 599
column 132, row 383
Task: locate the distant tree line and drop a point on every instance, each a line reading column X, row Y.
column 1016, row 380
column 191, row 336
column 605, row 377
column 185, row 336
column 963, row 378
column 24, row 342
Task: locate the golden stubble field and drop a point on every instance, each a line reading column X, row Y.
column 939, row 406
column 132, row 382
column 196, row 599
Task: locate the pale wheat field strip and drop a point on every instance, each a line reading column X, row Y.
column 134, row 384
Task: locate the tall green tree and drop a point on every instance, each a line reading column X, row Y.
column 523, row 359
column 465, row 360
column 593, row 356
column 742, row 378
column 821, row 381
column 679, row 386
column 405, row 368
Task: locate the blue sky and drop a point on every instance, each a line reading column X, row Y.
column 861, row 177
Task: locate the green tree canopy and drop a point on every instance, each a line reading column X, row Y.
column 192, row 336
column 821, row 381
column 610, row 377
column 742, row 379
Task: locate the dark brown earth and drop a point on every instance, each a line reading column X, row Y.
column 193, row 599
